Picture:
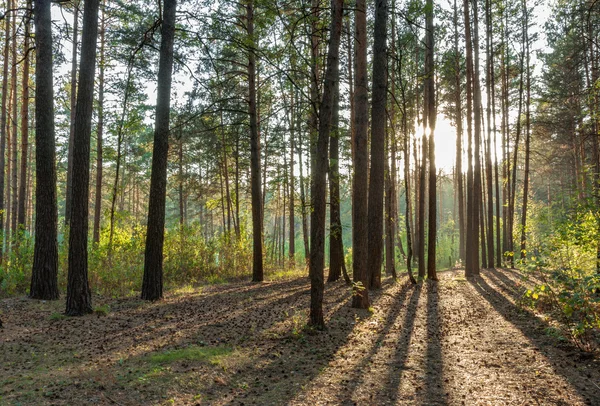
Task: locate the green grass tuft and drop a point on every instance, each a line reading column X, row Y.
column 212, row 355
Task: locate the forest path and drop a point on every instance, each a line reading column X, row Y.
column 447, row 343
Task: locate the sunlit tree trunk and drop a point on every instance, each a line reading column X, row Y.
column 73, row 102
column 152, row 284
column 378, row 125
column 44, row 275
column 319, row 170
column 255, row 172
column 79, row 299
column 360, row 179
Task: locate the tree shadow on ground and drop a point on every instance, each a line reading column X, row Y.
column 434, row 381
column 580, row 375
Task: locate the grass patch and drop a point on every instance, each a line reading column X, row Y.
column 212, row 355
column 102, row 310
column 57, row 316
column 286, row 274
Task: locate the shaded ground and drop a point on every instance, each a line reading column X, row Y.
column 451, row 343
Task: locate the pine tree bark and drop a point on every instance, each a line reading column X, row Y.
column 527, row 137
column 152, row 286
column 257, row 215
column 431, row 111
column 99, row 134
column 360, row 179
column 44, row 274
column 4, row 121
column 24, row 121
column 319, row 170
column 73, row 103
column 459, row 134
column 79, row 299
column 378, row 124
column 14, row 171
column 336, row 250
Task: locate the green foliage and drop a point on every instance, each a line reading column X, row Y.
column 212, row 355
column 15, row 272
column 562, row 266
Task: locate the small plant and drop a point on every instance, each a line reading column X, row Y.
column 102, row 310
column 57, row 316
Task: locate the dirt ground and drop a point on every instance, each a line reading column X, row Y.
column 453, row 342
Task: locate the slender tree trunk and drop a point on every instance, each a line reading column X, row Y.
column 360, row 179
column 72, row 107
column 378, row 124
column 319, row 170
column 44, row 275
column 488, row 161
column 459, row 134
column 79, row 299
column 292, row 218
column 527, row 138
column 336, row 248
column 152, row 285
column 431, row 111
column 4, row 120
column 14, row 171
column 257, row 215
column 472, row 241
column 24, row 122
column 100, row 133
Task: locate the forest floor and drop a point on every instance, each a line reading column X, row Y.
column 453, row 342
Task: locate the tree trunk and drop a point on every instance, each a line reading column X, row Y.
column 79, row 299
column 72, row 107
column 378, row 124
column 100, row 134
column 431, row 111
column 527, row 138
column 459, row 134
column 319, row 170
column 152, row 286
column 257, row 215
column 24, row 122
column 360, row 179
column 472, row 231
column 4, row 121
column 336, row 250
column 44, row 274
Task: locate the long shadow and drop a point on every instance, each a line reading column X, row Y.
column 402, row 346
column 110, row 337
column 361, row 369
column 579, row 376
column 434, row 381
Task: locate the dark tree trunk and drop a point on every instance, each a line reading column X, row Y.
column 527, row 138
column 477, row 191
column 24, row 123
column 431, row 112
column 488, row 155
column 257, row 217
column 79, row 299
column 72, row 107
column 100, row 134
column 12, row 201
column 44, row 282
column 472, row 230
column 4, row 121
column 378, row 124
column 152, row 286
column 319, row 170
column 336, row 250
column 360, row 179
column 459, row 134
column 292, row 218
